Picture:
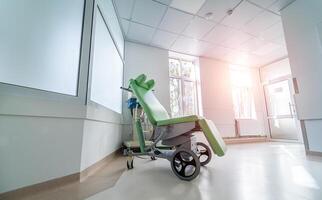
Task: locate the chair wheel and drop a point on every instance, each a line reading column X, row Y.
column 204, row 153
column 153, row 158
column 129, row 164
column 185, row 164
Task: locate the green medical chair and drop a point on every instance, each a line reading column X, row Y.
column 185, row 153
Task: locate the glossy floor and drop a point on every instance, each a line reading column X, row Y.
column 262, row 171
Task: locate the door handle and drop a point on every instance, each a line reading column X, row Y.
column 290, row 106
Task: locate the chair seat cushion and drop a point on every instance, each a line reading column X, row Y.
column 178, row 120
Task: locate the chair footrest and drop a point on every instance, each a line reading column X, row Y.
column 213, row 137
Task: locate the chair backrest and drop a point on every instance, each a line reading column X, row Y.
column 142, row 89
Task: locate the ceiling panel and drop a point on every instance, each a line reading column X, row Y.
column 280, row 40
column 266, row 49
column 198, row 27
column 124, row 8
column 217, row 52
column 250, row 36
column 190, row 6
column 254, row 61
column 163, row 39
column 273, row 56
column 218, row 8
column 238, row 58
column 175, row 21
column 261, row 23
column 236, row 40
column 241, row 15
column 252, row 44
column 190, row 46
column 220, row 34
column 148, row 12
column 140, row 33
column 273, row 32
column 166, row 2
column 280, row 4
column 263, row 3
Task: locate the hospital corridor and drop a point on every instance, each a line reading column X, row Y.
column 161, row 99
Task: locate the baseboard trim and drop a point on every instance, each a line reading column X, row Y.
column 61, row 181
column 98, row 165
column 285, row 141
column 36, row 188
column 243, row 140
column 314, row 153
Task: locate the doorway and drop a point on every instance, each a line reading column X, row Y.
column 281, row 111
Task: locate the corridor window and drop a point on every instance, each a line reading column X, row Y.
column 107, row 72
column 40, row 44
column 183, row 90
column 242, row 92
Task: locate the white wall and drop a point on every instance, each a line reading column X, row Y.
column 99, row 139
column 217, row 96
column 275, row 70
column 153, row 62
column 302, row 22
column 37, row 149
column 313, row 130
column 217, row 99
column 46, row 135
column 141, row 59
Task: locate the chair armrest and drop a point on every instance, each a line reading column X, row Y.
column 178, row 120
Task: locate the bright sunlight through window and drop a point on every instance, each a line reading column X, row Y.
column 242, row 92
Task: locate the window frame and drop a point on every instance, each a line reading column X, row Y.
column 13, row 88
column 182, row 79
column 27, row 101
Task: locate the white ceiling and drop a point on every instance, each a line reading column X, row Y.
column 252, row 35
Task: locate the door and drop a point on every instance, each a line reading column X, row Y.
column 281, row 110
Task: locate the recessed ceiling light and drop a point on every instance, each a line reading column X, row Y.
column 209, row 15
column 230, row 11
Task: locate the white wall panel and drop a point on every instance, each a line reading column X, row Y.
column 301, row 26
column 314, row 136
column 301, row 22
column 35, row 149
column 99, row 139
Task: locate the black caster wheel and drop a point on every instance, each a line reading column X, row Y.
column 129, row 164
column 185, row 164
column 153, row 158
column 204, row 153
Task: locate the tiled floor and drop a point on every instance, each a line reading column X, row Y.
column 263, row 171
column 260, row 171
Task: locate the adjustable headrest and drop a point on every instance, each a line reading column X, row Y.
column 140, row 81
